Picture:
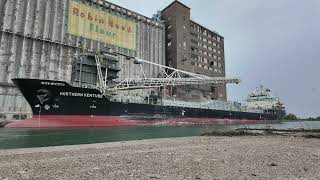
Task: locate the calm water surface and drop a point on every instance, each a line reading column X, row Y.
column 23, row 138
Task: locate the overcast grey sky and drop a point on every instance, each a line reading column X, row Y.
column 271, row 42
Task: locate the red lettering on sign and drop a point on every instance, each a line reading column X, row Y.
column 101, row 21
column 75, row 11
column 90, row 18
column 117, row 26
column 110, row 23
column 82, row 15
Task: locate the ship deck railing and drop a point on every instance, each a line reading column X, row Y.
column 213, row 104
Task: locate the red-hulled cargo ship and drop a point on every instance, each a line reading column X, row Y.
column 58, row 104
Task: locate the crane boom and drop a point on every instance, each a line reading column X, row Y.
column 169, row 77
column 140, row 83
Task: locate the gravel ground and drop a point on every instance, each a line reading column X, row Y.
column 247, row 157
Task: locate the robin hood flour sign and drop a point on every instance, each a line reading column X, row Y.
column 96, row 24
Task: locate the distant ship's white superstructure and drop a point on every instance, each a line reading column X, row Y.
column 262, row 98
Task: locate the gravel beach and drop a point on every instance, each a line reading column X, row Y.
column 249, row 157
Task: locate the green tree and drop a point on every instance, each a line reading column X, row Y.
column 291, row 117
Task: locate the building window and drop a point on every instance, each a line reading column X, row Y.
column 193, row 41
column 169, row 27
column 219, row 58
column 219, row 65
column 214, row 44
column 218, row 38
column 184, row 45
column 193, row 56
column 169, row 44
column 193, row 34
column 219, row 52
column 215, row 57
column 205, row 32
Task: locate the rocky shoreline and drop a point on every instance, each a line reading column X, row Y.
column 206, row 157
column 306, row 133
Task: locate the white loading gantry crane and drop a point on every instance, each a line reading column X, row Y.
column 169, row 77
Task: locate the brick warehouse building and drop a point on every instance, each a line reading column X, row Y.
column 36, row 41
column 192, row 47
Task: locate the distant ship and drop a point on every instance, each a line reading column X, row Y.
column 58, row 104
column 262, row 99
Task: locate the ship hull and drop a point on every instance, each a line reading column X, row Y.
column 83, row 121
column 56, row 104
